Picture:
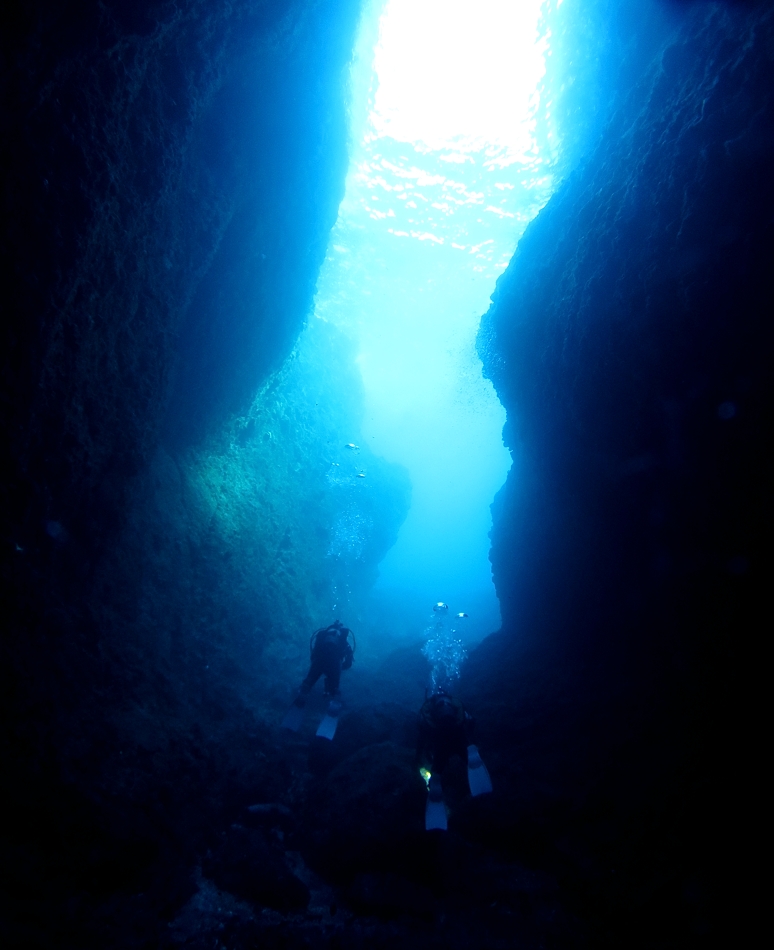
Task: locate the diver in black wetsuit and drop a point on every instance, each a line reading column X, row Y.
column 330, row 654
column 445, row 729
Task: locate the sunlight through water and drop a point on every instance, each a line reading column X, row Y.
column 450, row 159
column 460, row 76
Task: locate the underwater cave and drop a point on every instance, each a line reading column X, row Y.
column 447, row 321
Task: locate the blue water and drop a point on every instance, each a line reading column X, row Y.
column 446, row 170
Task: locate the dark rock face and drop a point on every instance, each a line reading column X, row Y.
column 172, row 172
column 245, row 865
column 169, row 168
column 631, row 343
column 358, row 819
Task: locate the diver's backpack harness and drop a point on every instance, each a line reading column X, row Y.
column 334, row 632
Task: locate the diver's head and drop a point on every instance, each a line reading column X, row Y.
column 443, row 704
column 341, row 630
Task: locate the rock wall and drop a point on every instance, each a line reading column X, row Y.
column 175, row 171
column 172, row 172
column 631, row 342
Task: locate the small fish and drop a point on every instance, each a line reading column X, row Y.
column 361, row 475
column 351, row 445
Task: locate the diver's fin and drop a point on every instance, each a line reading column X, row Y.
column 327, row 728
column 478, row 777
column 294, row 716
column 435, row 810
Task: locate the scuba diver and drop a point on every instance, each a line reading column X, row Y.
column 446, row 729
column 330, row 653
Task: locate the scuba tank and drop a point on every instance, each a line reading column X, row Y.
column 330, row 634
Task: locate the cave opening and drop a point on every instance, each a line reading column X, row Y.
column 451, row 156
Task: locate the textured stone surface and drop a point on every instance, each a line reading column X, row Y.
column 246, row 865
column 631, row 343
column 167, row 166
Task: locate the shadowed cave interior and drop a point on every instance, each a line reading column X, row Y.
column 179, row 502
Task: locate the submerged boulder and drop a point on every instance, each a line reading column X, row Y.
column 247, row 866
column 367, row 815
column 391, row 895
